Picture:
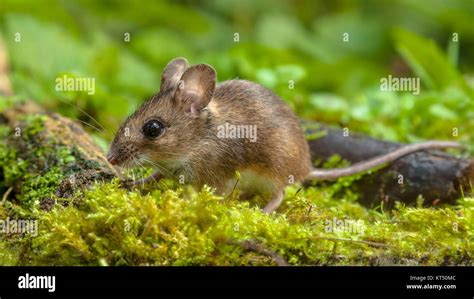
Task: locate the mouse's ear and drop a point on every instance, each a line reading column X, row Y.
column 173, row 72
column 196, row 87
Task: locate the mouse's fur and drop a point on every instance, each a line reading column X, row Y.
column 192, row 108
column 190, row 146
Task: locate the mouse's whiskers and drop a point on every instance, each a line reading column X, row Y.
column 144, row 168
column 160, row 167
column 102, row 128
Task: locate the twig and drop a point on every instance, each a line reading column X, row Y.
column 5, row 84
column 375, row 244
column 257, row 247
column 4, row 198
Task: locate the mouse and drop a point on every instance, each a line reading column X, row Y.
column 204, row 133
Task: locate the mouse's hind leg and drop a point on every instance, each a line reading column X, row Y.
column 275, row 202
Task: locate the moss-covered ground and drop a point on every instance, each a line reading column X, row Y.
column 166, row 223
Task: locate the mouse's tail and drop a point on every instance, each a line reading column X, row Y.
column 331, row 174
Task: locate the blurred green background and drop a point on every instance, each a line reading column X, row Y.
column 335, row 82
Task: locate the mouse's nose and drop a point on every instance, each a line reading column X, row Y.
column 112, row 158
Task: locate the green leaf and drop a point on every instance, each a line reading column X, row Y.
column 428, row 61
column 442, row 112
column 329, row 103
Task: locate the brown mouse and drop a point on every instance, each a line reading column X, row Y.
column 200, row 133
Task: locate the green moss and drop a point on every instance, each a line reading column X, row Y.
column 34, row 125
column 12, row 168
column 113, row 226
column 35, row 185
column 38, row 187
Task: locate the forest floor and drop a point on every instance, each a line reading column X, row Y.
column 166, row 223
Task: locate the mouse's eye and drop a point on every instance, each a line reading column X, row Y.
column 152, row 129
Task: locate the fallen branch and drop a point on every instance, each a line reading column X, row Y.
column 43, row 150
column 435, row 175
